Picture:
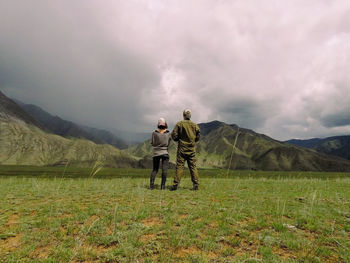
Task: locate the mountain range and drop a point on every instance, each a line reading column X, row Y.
column 32, row 136
column 252, row 150
column 69, row 129
column 25, row 141
column 335, row 145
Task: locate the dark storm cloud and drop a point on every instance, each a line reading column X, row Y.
column 68, row 65
column 337, row 120
column 278, row 67
column 249, row 112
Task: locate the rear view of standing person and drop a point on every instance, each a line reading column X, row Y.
column 160, row 142
column 186, row 133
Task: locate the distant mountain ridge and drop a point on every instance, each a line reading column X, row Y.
column 57, row 125
column 335, row 145
column 252, row 151
column 305, row 143
column 68, row 129
column 107, row 137
column 24, row 141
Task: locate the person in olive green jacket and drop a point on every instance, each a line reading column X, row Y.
column 186, row 133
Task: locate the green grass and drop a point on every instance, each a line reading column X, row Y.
column 77, row 172
column 52, row 215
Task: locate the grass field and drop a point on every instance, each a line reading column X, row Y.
column 68, row 215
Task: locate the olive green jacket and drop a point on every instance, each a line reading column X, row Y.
column 186, row 133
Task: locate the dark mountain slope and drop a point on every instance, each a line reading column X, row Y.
column 107, row 137
column 305, row 143
column 57, row 125
column 336, row 145
column 68, row 129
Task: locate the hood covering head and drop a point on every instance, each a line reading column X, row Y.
column 161, row 122
column 187, row 114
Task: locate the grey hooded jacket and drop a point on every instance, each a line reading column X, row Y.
column 160, row 143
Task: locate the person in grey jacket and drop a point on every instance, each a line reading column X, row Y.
column 160, row 142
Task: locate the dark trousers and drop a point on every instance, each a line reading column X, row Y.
column 165, row 165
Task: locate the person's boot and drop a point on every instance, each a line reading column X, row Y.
column 162, row 186
column 151, row 185
column 173, row 188
column 195, row 187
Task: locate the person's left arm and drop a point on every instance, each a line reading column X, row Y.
column 169, row 139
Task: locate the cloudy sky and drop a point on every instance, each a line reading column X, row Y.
column 279, row 67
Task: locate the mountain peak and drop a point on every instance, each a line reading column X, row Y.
column 207, row 127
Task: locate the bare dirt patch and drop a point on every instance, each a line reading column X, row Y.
column 63, row 230
column 13, row 219
column 309, row 235
column 212, row 255
column 183, row 216
column 109, row 230
column 248, row 247
column 33, row 213
column 215, row 200
column 65, row 215
column 284, row 253
column 97, row 249
column 10, row 243
column 152, row 221
column 199, row 219
column 184, row 252
column 246, row 222
column 213, row 225
column 102, row 249
column 41, row 252
column 92, row 219
column 147, row 237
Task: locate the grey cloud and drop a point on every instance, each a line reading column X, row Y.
column 246, row 112
column 70, row 67
column 337, row 120
column 278, row 67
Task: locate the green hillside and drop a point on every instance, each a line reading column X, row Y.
column 336, row 145
column 25, row 142
column 69, row 129
column 252, row 151
column 28, row 145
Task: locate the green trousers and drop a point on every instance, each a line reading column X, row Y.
column 181, row 158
